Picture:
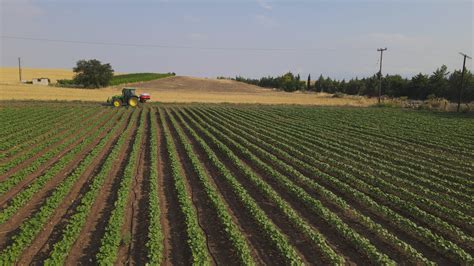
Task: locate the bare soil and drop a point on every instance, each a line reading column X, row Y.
column 38, row 199
column 264, row 253
column 184, row 83
column 39, row 250
column 135, row 227
column 87, row 245
column 45, row 165
column 218, row 245
column 176, row 250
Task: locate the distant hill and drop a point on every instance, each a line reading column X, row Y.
column 204, row 85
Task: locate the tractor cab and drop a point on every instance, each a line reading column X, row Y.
column 128, row 92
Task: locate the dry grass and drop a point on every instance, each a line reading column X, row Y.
column 31, row 92
column 9, row 75
column 175, row 89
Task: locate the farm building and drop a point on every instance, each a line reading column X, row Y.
column 41, row 81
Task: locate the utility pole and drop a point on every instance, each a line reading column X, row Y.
column 381, row 50
column 462, row 78
column 19, row 67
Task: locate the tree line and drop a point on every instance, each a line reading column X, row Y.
column 439, row 84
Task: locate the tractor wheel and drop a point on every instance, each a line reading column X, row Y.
column 117, row 102
column 133, row 101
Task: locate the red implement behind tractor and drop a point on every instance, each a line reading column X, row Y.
column 144, row 97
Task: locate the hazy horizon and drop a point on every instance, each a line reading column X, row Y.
column 249, row 38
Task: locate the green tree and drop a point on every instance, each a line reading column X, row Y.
column 438, row 82
column 92, row 73
column 454, row 81
column 320, row 84
column 394, row 85
column 418, row 87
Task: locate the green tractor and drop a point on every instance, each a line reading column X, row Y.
column 128, row 97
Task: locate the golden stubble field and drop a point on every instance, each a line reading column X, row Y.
column 177, row 89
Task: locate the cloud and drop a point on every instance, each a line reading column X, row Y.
column 264, row 4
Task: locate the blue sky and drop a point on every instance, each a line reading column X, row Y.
column 252, row 38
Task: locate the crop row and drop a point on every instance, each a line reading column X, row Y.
column 22, row 198
column 233, row 233
column 110, row 242
column 37, row 119
column 432, row 239
column 17, row 116
column 155, row 235
column 196, row 237
column 393, row 128
column 46, row 144
column 381, row 151
column 81, row 213
column 379, row 137
column 310, row 138
column 17, row 177
column 52, row 129
column 319, row 144
column 315, row 205
column 270, row 230
column 33, row 225
column 315, row 143
column 315, row 238
column 336, row 160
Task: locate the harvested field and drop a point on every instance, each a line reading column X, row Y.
column 9, row 75
column 178, row 89
column 224, row 184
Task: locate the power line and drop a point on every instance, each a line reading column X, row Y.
column 172, row 46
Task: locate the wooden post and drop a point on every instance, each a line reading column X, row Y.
column 462, row 80
column 19, row 67
column 381, row 50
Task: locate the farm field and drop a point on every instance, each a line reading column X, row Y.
column 176, row 89
column 234, row 184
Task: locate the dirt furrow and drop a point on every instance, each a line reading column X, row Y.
column 10, row 227
column 135, row 227
column 7, row 196
column 47, row 164
column 51, row 133
column 346, row 217
column 40, row 248
column 427, row 251
column 220, row 247
column 87, row 245
column 263, row 251
column 176, row 250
